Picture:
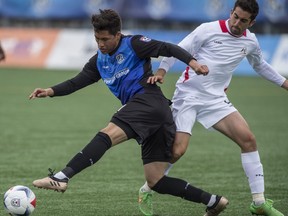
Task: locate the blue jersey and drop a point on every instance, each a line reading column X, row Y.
column 126, row 70
column 122, row 71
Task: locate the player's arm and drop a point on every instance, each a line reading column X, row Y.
column 87, row 76
column 160, row 73
column 266, row 71
column 263, row 68
column 146, row 48
column 191, row 43
column 41, row 93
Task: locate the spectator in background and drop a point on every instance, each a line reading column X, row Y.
column 2, row 53
column 221, row 45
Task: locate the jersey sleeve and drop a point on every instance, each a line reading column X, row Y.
column 263, row 68
column 87, row 76
column 145, row 48
column 266, row 71
column 191, row 43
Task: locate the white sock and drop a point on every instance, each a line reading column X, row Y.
column 258, row 199
column 60, row 175
column 170, row 165
column 145, row 188
column 254, row 172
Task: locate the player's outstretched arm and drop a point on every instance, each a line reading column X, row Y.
column 41, row 93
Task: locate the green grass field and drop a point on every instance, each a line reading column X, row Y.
column 43, row 133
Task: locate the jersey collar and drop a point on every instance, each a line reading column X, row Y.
column 224, row 29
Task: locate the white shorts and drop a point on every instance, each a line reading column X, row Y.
column 187, row 110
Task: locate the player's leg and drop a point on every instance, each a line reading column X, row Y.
column 184, row 115
column 154, row 173
column 184, row 111
column 93, row 151
column 180, row 145
column 156, row 153
column 179, row 148
column 236, row 128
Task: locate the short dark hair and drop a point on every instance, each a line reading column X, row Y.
column 251, row 6
column 107, row 19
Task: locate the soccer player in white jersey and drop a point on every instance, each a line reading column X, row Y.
column 220, row 45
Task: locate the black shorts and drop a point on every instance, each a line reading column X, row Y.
column 148, row 119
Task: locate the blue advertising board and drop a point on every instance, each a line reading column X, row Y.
column 179, row 10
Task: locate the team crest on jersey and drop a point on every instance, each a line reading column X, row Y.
column 145, row 39
column 120, row 58
column 244, row 51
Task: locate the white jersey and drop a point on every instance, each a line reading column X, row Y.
column 213, row 45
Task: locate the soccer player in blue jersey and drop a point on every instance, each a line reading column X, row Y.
column 124, row 64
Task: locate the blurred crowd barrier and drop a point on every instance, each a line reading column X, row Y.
column 182, row 10
column 72, row 48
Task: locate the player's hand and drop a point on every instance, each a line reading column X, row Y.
column 198, row 68
column 154, row 79
column 41, row 93
column 158, row 77
column 202, row 70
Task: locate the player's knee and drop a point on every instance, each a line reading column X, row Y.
column 177, row 153
column 180, row 145
column 115, row 133
column 249, row 143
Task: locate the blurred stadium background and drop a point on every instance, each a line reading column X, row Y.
column 57, row 34
column 48, row 41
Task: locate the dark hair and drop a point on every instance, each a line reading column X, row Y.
column 107, row 19
column 251, row 6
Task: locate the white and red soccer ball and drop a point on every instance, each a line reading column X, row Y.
column 19, row 200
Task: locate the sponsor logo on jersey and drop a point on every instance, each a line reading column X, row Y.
column 218, row 42
column 119, row 74
column 145, row 39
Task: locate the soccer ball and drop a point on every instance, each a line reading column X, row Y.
column 19, row 200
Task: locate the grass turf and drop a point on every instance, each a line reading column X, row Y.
column 43, row 133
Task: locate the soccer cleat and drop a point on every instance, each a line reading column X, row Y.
column 145, row 203
column 265, row 209
column 51, row 183
column 218, row 207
